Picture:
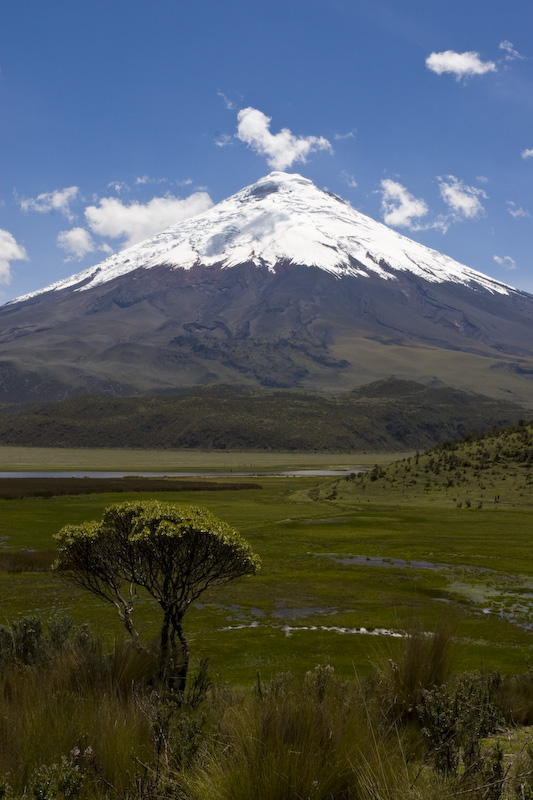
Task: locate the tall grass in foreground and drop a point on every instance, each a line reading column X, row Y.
column 55, row 699
column 78, row 722
column 313, row 739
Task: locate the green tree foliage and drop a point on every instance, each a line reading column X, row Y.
column 173, row 552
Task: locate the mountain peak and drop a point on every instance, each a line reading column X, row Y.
column 283, row 218
column 281, row 285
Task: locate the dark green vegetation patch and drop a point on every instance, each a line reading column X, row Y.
column 12, row 488
column 388, row 415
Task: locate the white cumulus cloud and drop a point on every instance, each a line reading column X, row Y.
column 77, row 243
column 281, row 149
column 462, row 65
column 463, row 200
column 137, row 221
column 505, row 261
column 527, row 153
column 10, row 251
column 399, row 207
column 59, row 200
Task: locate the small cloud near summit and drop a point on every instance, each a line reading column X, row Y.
column 134, row 222
column 399, row 207
column 506, row 262
column 59, row 200
column 462, row 65
column 462, row 199
column 281, row 149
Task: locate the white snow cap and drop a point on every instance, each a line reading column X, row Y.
column 284, row 217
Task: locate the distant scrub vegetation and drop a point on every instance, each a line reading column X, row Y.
column 495, row 466
column 388, row 415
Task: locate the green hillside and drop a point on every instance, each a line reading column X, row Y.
column 493, row 468
column 387, row 415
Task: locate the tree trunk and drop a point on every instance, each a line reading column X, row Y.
column 178, row 678
column 125, row 617
column 164, row 652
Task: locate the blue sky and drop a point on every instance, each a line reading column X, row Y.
column 121, row 117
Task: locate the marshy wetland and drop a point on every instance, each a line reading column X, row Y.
column 332, row 569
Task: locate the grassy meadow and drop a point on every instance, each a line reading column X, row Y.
column 26, row 459
column 340, row 583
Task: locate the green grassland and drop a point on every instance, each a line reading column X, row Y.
column 330, row 569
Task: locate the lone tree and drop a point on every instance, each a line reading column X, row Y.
column 174, row 552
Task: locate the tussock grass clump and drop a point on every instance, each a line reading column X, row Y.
column 314, row 738
column 426, row 661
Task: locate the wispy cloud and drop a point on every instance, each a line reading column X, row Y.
column 506, row 262
column 399, row 207
column 462, row 65
column 59, row 200
column 223, row 140
column 134, row 222
column 230, row 105
column 10, row 251
column 118, row 186
column 349, row 135
column 348, row 178
column 281, row 149
column 146, row 179
column 527, row 153
column 516, row 211
column 512, row 54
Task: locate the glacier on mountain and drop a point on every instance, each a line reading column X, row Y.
column 283, row 218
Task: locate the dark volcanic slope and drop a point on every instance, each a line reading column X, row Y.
column 158, row 330
column 386, row 415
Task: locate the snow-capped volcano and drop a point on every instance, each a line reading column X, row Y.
column 280, row 285
column 283, row 218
